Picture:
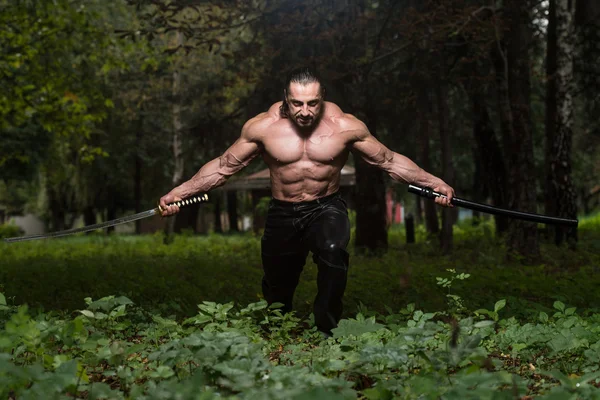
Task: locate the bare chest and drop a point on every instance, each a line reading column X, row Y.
column 322, row 146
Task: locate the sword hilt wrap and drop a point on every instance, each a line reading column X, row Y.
column 203, row 198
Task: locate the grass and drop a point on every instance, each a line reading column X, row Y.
column 59, row 274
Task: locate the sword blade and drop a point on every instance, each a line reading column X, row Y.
column 88, row 228
column 203, row 198
column 526, row 216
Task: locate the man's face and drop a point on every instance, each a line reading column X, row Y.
column 305, row 104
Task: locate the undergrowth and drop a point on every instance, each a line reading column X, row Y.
column 187, row 321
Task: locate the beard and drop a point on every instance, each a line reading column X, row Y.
column 307, row 124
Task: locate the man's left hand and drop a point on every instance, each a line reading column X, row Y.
column 447, row 191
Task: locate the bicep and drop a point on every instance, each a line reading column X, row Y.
column 371, row 150
column 240, row 153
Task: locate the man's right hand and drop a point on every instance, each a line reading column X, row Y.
column 169, row 198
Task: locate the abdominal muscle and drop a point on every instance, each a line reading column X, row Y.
column 304, row 181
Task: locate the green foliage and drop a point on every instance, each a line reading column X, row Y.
column 115, row 349
column 184, row 318
column 262, row 206
column 214, row 268
column 50, row 58
column 10, row 230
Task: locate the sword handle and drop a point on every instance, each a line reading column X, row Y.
column 203, row 198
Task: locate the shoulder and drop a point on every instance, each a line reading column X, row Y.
column 344, row 122
column 254, row 128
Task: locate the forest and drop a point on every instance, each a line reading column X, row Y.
column 105, row 106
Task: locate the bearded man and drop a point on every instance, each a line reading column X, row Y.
column 305, row 141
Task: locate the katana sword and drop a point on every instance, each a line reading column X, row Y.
column 130, row 218
column 544, row 219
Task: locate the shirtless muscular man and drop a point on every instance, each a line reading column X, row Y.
column 305, row 142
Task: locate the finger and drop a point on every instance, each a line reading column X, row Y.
column 443, row 199
column 162, row 204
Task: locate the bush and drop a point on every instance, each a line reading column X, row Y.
column 10, row 230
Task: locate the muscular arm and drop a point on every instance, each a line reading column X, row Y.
column 399, row 167
column 216, row 172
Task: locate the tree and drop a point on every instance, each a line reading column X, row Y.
column 48, row 53
column 513, row 73
column 561, row 49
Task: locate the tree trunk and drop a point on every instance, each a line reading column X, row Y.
column 232, row 210
column 177, row 132
column 443, row 116
column 551, row 114
column 218, row 224
column 564, row 191
column 480, row 187
column 187, row 218
column 514, row 91
column 492, row 161
column 371, row 232
column 424, row 113
column 57, row 214
column 201, row 225
column 418, row 212
column 111, row 209
column 137, row 177
column 588, row 12
column 258, row 219
column 89, row 216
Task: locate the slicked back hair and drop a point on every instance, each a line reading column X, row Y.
column 303, row 76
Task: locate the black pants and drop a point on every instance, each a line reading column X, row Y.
column 292, row 230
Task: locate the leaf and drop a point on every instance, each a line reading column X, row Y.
column 471, row 342
column 198, row 319
column 122, row 300
column 2, row 300
column 570, row 311
column 378, row 393
column 589, row 377
column 319, row 394
column 517, row 347
column 499, row 305
column 484, row 324
column 276, row 305
column 348, row 327
column 543, row 317
column 418, row 315
column 101, row 390
column 559, row 305
column 87, row 313
column 163, row 372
